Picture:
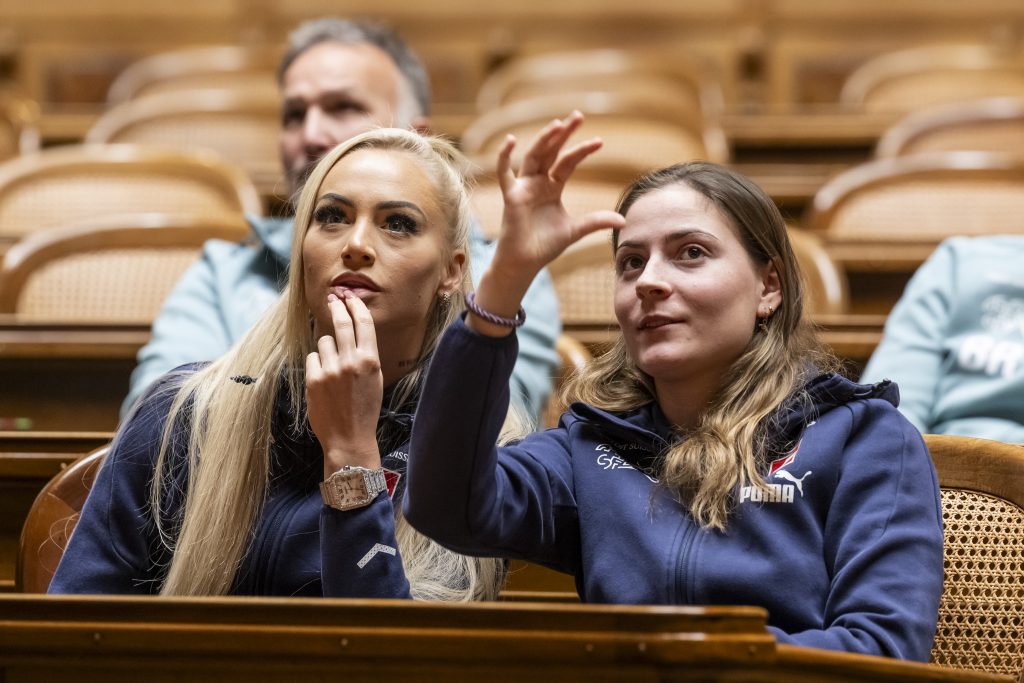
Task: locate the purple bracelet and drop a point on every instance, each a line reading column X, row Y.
column 490, row 317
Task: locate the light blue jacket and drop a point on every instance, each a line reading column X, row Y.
column 955, row 341
column 232, row 284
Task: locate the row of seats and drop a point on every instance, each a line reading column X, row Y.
column 981, row 620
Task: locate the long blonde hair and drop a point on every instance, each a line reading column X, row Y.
column 730, row 445
column 224, row 426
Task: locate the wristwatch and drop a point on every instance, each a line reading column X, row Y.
column 353, row 487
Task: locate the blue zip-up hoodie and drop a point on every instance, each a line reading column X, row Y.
column 300, row 547
column 845, row 552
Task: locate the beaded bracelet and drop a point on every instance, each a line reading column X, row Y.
column 490, row 317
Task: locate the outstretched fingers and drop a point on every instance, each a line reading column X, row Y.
column 568, row 161
column 545, row 148
column 596, row 220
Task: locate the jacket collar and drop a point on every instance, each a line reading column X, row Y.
column 275, row 234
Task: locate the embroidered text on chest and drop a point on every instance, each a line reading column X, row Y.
column 778, row 493
column 608, row 459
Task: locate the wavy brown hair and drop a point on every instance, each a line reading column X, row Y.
column 730, row 445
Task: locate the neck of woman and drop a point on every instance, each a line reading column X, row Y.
column 684, row 401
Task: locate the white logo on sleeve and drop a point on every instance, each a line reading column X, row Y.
column 377, row 548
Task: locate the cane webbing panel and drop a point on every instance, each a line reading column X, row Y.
column 116, row 285
column 59, row 199
column 246, row 139
column 941, row 87
column 981, row 618
column 931, row 209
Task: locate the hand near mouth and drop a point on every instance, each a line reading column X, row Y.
column 345, row 387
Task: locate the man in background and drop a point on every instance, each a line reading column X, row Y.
column 338, row 78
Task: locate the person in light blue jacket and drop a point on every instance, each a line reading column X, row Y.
column 955, row 341
column 710, row 457
column 338, row 78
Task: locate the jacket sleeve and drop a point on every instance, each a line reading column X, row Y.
column 515, row 501
column 910, row 352
column 115, row 548
column 882, row 544
column 190, row 327
column 359, row 552
column 537, row 360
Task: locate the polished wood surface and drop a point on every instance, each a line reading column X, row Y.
column 223, row 639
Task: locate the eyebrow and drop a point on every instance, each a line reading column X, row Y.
column 386, row 206
column 672, row 237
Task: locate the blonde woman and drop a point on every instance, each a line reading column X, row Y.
column 710, row 458
column 276, row 469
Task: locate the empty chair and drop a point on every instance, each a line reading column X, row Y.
column 641, row 130
column 981, row 616
column 890, row 214
column 225, row 66
column 51, row 520
column 240, row 124
column 65, row 185
column 120, row 271
column 902, row 81
column 602, row 70
column 989, row 125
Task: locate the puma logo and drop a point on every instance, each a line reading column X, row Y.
column 783, row 474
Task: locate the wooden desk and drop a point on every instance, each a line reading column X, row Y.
column 67, row 377
column 220, row 639
column 27, row 461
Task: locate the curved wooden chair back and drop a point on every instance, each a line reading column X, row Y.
column 120, row 271
column 51, row 520
column 242, row 125
column 938, row 74
column 989, row 125
column 574, row 357
column 891, row 213
column 67, row 184
column 224, row 66
column 601, row 70
column 641, row 130
column 981, row 617
column 19, row 132
column 825, row 281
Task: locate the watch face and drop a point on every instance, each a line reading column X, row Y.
column 351, row 488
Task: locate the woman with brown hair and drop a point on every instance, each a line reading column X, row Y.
column 711, row 456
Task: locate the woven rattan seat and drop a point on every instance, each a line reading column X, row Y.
column 936, row 74
column 225, row 66
column 66, row 185
column 981, row 617
column 892, row 213
column 640, row 130
column 607, row 70
column 242, row 125
column 990, row 125
column 117, row 272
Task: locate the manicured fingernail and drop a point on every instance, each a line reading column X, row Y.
column 346, row 294
column 331, row 298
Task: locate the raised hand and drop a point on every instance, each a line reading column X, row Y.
column 345, row 387
column 535, row 225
